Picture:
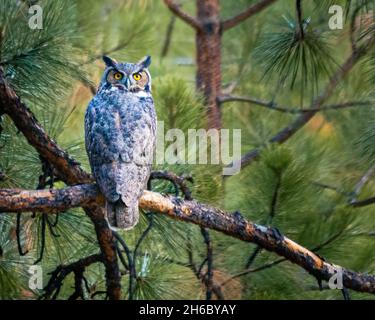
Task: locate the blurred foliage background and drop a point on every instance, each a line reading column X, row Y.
column 53, row 70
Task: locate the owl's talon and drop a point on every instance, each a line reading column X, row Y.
column 238, row 216
column 73, row 162
column 277, row 234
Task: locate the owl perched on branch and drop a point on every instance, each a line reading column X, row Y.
column 120, row 134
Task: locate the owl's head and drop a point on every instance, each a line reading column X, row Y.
column 130, row 77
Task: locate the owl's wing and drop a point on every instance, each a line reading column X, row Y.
column 134, row 174
column 101, row 146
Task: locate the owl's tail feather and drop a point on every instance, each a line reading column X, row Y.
column 120, row 216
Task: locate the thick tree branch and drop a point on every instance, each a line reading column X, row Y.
column 249, row 12
column 48, row 200
column 24, row 120
column 176, row 9
column 216, row 219
column 293, row 110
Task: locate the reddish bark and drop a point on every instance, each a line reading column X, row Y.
column 208, row 43
column 209, row 28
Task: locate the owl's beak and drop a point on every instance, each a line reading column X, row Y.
column 127, row 84
column 124, row 86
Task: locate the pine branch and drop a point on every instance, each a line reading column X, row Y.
column 176, row 9
column 363, row 203
column 352, row 196
column 58, row 276
column 277, row 262
column 318, row 102
column 246, row 14
column 48, row 149
column 293, row 110
column 216, row 219
column 69, row 171
column 361, row 183
column 179, row 182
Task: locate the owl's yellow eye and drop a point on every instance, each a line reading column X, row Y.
column 117, row 76
column 137, row 76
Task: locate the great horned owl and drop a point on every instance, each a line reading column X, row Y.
column 120, row 133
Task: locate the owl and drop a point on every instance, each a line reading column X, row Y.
column 120, row 135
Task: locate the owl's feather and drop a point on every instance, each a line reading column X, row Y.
column 122, row 216
column 120, row 131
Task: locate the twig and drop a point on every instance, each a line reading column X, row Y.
column 78, row 278
column 131, row 264
column 42, row 238
column 18, row 235
column 270, row 217
column 345, row 293
column 150, row 218
column 252, row 257
column 121, row 256
column 361, row 183
column 352, row 196
column 58, row 276
column 293, row 110
column 179, row 182
column 299, row 19
column 329, row 187
column 209, row 274
column 362, row 203
column 50, row 227
column 176, row 9
column 249, row 12
column 168, row 36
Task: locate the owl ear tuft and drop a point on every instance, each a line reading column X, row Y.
column 109, row 61
column 145, row 62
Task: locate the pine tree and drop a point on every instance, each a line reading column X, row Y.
column 301, row 94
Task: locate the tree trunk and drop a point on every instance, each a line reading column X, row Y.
column 208, row 41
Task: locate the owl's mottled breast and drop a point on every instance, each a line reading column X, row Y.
column 114, row 125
